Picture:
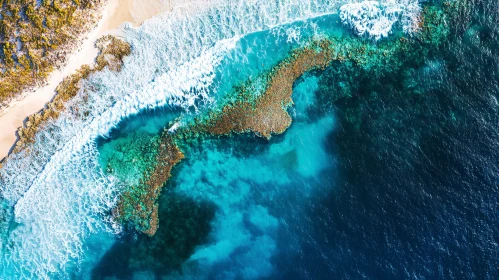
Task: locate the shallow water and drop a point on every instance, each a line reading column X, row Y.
column 389, row 169
column 256, row 189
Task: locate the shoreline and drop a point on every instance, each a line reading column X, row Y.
column 114, row 14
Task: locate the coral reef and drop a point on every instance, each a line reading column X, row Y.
column 127, row 158
column 138, row 204
column 111, row 53
column 263, row 113
column 267, row 114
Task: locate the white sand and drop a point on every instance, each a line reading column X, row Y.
column 137, row 11
column 115, row 13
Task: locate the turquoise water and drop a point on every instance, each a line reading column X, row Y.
column 248, row 184
column 298, row 155
column 253, row 54
column 388, row 170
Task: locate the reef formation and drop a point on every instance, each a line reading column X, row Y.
column 265, row 112
column 138, row 205
column 246, row 110
column 264, row 116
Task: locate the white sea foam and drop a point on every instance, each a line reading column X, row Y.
column 376, row 19
column 58, row 192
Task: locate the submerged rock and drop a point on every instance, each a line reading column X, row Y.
column 138, row 204
column 266, row 114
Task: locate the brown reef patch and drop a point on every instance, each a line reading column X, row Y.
column 139, row 204
column 268, row 114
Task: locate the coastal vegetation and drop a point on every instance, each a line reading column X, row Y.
column 35, row 38
column 111, row 53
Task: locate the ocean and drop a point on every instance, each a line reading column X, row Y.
column 388, row 170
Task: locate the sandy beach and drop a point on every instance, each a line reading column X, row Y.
column 136, row 12
column 114, row 14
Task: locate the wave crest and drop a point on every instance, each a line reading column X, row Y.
column 376, row 20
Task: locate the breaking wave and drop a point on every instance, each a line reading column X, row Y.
column 376, row 19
